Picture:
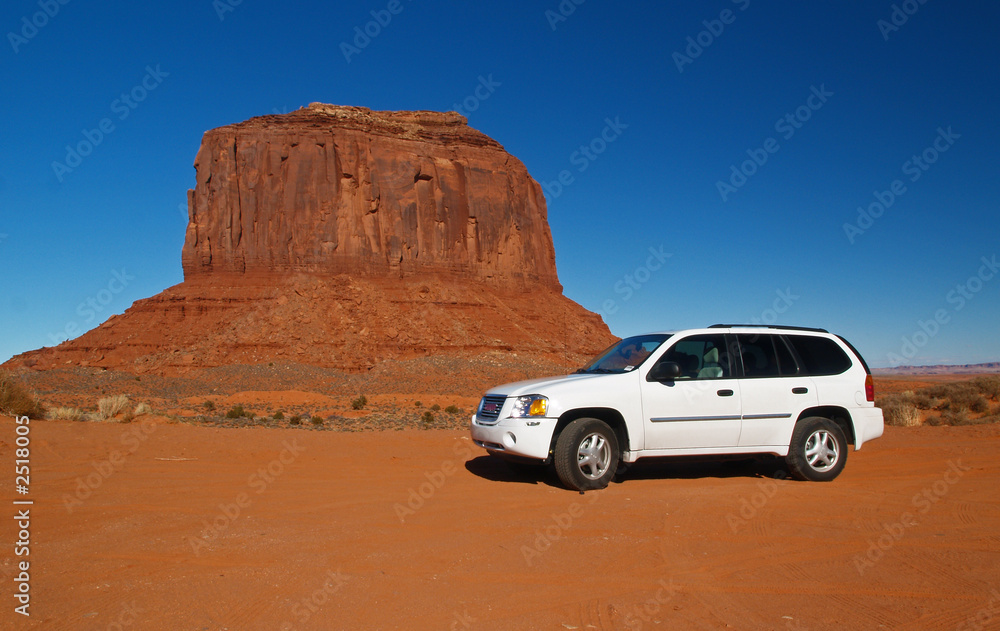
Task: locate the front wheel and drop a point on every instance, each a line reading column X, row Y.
column 586, row 454
column 818, row 450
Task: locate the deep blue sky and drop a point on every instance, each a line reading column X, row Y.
column 777, row 239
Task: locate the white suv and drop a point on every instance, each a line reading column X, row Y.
column 800, row 393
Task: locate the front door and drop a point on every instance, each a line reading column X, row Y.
column 701, row 408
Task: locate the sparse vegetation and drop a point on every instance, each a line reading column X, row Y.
column 970, row 402
column 66, row 414
column 209, row 406
column 142, row 408
column 899, row 411
column 16, row 400
column 279, row 415
column 427, row 418
column 295, row 420
column 452, row 409
column 316, row 420
column 417, row 404
column 436, row 407
column 360, row 402
column 110, row 407
column 237, row 411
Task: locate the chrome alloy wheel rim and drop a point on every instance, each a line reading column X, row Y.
column 821, row 450
column 593, row 456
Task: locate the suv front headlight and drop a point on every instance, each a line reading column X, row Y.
column 530, row 405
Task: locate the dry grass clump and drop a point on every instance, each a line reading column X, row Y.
column 899, row 410
column 16, row 400
column 66, row 414
column 110, row 407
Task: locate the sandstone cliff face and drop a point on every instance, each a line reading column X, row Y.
column 341, row 237
column 333, row 190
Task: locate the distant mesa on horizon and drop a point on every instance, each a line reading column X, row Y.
column 341, row 236
column 941, row 369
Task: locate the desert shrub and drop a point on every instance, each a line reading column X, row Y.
column 979, row 405
column 988, row 386
column 109, row 407
column 279, row 415
column 436, row 407
column 899, row 412
column 360, row 402
column 316, row 420
column 427, row 418
column 237, row 411
column 16, row 400
column 209, row 405
column 295, row 420
column 924, row 402
column 66, row 414
column 452, row 409
column 417, row 404
column 962, row 396
column 142, row 408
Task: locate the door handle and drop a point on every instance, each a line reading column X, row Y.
column 800, row 390
column 725, row 393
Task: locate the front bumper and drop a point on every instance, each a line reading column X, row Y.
column 523, row 437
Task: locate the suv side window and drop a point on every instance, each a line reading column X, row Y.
column 766, row 356
column 701, row 357
column 820, row 355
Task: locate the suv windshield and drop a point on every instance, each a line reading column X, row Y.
column 627, row 354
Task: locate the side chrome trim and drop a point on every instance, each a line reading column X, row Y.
column 755, row 417
column 676, row 419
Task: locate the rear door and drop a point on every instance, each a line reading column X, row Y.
column 774, row 389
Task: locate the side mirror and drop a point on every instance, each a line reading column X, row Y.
column 664, row 371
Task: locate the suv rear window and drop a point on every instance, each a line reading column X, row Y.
column 819, row 355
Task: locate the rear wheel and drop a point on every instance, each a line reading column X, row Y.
column 586, row 454
column 818, row 450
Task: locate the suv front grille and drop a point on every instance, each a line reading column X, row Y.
column 489, row 408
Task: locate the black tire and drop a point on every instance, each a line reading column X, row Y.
column 818, row 450
column 586, row 454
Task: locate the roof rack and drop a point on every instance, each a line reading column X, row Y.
column 768, row 326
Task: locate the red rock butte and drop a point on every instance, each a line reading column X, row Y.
column 341, row 236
